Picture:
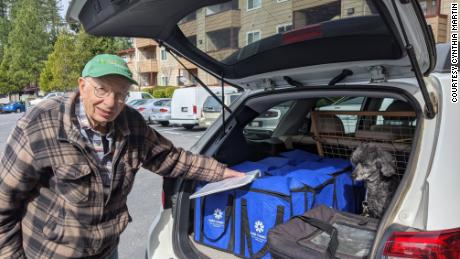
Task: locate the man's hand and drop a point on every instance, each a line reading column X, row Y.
column 228, row 173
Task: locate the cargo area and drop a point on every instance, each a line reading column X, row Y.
column 302, row 149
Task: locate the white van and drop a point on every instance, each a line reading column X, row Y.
column 187, row 104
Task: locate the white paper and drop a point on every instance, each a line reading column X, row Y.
column 226, row 184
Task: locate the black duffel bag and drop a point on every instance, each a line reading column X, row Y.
column 323, row 232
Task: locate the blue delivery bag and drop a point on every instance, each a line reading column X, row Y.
column 348, row 193
column 274, row 162
column 298, row 156
column 281, row 171
column 261, row 206
column 317, row 187
column 250, row 166
column 214, row 220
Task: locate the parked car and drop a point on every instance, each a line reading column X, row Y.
column 144, row 107
column 262, row 127
column 14, row 107
column 136, row 95
column 385, row 51
column 212, row 109
column 133, row 102
column 187, row 104
column 161, row 111
column 351, row 104
column 49, row 95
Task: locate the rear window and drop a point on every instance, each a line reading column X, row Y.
column 146, row 96
column 211, row 105
column 236, row 30
column 163, row 103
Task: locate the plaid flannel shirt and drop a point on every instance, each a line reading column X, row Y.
column 51, row 193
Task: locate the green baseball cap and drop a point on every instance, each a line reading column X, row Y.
column 106, row 64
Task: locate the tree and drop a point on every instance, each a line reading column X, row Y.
column 50, row 13
column 87, row 46
column 70, row 54
column 4, row 24
column 28, row 47
column 61, row 72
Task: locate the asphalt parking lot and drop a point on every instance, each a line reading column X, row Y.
column 145, row 197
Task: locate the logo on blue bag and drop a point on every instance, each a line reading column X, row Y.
column 259, row 226
column 258, row 235
column 218, row 214
column 216, row 219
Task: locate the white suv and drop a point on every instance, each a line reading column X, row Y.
column 303, row 52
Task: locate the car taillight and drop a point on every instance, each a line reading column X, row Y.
column 306, row 33
column 443, row 244
column 163, row 110
column 163, row 199
column 140, row 109
column 194, row 109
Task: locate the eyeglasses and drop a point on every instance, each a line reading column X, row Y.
column 103, row 92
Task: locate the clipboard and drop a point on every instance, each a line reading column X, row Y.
column 226, row 184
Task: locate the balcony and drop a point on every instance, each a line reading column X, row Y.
column 142, row 43
column 298, row 5
column 188, row 28
column 187, row 64
column 147, row 66
column 223, row 20
column 439, row 26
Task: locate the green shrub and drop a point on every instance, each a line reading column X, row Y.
column 163, row 91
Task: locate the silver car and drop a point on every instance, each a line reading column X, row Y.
column 161, row 111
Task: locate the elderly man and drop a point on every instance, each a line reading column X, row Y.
column 70, row 163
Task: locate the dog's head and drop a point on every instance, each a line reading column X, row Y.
column 370, row 162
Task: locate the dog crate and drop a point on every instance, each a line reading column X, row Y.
column 338, row 133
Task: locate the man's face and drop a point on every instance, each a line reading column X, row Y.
column 103, row 97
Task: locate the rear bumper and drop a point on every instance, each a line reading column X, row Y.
column 160, row 117
column 160, row 244
column 184, row 121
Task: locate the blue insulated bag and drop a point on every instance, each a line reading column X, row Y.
column 214, row 220
column 250, row 166
column 347, row 192
column 281, row 171
column 317, row 187
column 298, row 156
column 266, row 203
column 274, row 162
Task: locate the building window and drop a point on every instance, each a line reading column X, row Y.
column 164, row 54
column 164, row 80
column 283, row 28
column 254, row 4
column 252, row 37
column 222, row 39
column 218, row 8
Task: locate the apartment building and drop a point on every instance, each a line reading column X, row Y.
column 221, row 30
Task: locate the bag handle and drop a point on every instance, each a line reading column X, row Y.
column 246, row 235
column 326, row 227
column 228, row 212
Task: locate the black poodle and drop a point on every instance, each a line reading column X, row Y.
column 376, row 168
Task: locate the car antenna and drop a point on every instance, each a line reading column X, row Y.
column 174, row 54
column 345, row 73
column 429, row 106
